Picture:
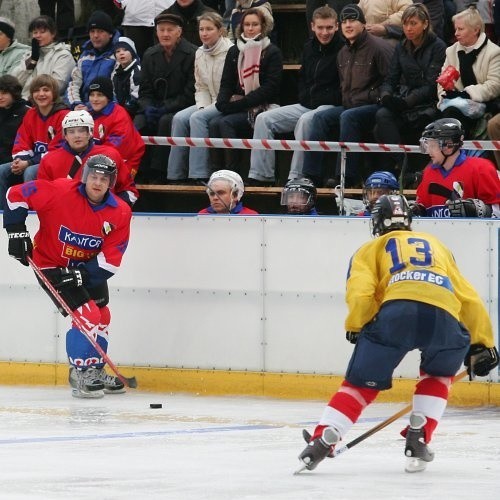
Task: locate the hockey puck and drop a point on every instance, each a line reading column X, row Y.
column 156, row 405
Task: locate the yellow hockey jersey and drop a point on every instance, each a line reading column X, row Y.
column 416, row 266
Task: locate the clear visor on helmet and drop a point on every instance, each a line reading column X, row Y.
column 372, row 194
column 295, row 196
column 429, row 145
column 98, row 171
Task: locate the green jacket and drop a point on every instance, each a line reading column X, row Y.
column 12, row 55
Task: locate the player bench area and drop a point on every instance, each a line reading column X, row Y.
column 266, row 200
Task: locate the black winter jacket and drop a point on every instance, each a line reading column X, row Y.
column 271, row 69
column 319, row 81
column 413, row 73
column 10, row 120
column 168, row 84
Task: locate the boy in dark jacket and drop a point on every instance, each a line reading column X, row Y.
column 319, row 89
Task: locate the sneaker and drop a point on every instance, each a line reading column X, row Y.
column 85, row 383
column 416, row 450
column 320, row 448
column 112, row 385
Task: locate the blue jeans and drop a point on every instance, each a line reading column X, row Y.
column 8, row 179
column 294, row 117
column 351, row 125
column 177, row 168
column 199, row 158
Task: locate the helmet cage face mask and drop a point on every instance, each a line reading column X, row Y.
column 297, row 196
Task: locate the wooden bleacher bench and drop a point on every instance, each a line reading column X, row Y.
column 270, row 191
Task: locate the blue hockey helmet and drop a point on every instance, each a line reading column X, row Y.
column 377, row 184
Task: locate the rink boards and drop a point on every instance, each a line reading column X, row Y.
column 233, row 305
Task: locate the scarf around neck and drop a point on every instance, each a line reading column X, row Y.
column 249, row 61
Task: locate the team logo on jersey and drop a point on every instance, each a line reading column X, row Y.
column 101, row 131
column 78, row 246
column 107, row 227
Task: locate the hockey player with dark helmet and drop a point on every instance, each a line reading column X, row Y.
column 377, row 184
column 455, row 184
column 391, row 213
column 404, row 292
column 97, row 168
column 299, row 197
column 449, row 134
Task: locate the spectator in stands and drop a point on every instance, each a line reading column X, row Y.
column 494, row 134
column 225, row 190
column 126, row 76
column 40, row 131
column 64, row 15
column 455, row 185
column 243, row 5
column 250, row 83
column 113, row 125
column 299, row 195
column 97, row 58
column 208, row 66
column 11, row 51
column 167, row 86
column 12, row 110
column 477, row 61
column 376, row 185
column 312, row 5
column 363, row 64
column 189, row 11
column 383, row 17
column 319, row 89
column 408, row 94
column 78, row 145
column 139, row 21
column 47, row 57
column 437, row 16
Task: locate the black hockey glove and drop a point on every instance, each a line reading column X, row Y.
column 20, row 245
column 417, row 209
column 452, row 94
column 480, row 360
column 66, row 277
column 352, row 337
column 470, row 207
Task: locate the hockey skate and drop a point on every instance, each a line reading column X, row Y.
column 416, row 450
column 318, row 449
column 85, row 383
column 112, row 385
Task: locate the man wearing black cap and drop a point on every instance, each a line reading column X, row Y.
column 189, row 11
column 167, row 86
column 11, row 51
column 97, row 58
column 362, row 64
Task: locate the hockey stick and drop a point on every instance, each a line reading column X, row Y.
column 382, row 425
column 439, row 190
column 129, row 382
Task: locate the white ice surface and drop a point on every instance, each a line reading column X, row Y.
column 53, row 446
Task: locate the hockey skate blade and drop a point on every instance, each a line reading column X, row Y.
column 302, row 468
column 415, row 465
column 76, row 393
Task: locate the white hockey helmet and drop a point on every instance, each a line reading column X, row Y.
column 234, row 180
column 80, row 118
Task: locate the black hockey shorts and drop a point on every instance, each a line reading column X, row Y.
column 77, row 296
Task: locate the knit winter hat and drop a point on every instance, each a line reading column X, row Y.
column 101, row 21
column 7, row 27
column 127, row 44
column 353, row 12
column 103, row 85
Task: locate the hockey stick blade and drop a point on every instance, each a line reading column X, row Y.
column 128, row 381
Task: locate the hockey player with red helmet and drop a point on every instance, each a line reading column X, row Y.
column 84, row 232
column 404, row 292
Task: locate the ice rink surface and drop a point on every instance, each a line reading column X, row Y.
column 53, row 446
